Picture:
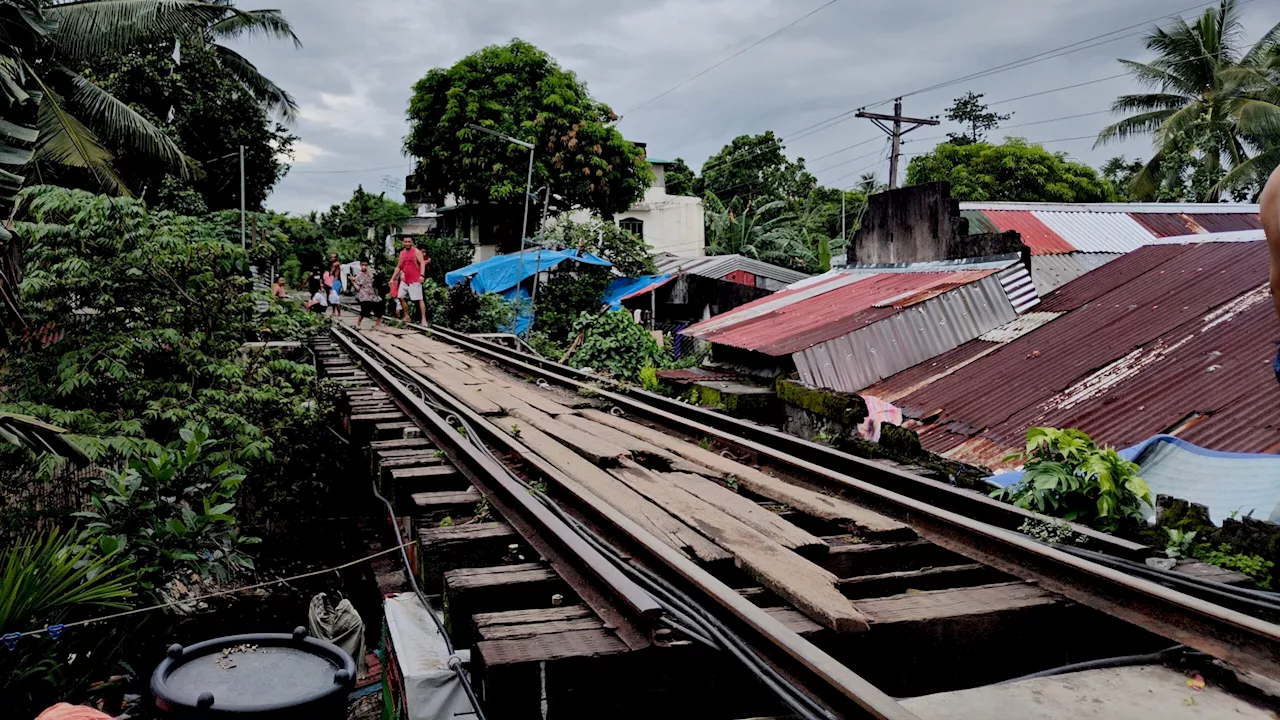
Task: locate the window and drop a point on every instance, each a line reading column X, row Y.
column 632, row 225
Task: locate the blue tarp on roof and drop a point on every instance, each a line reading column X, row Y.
column 1224, row 482
column 499, row 274
column 623, row 288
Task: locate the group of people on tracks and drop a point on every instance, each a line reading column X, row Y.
column 325, row 289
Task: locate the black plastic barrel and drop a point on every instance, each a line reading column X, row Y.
column 262, row 675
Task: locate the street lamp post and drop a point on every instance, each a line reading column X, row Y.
column 528, row 184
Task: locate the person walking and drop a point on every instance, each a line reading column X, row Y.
column 409, row 271
column 335, row 295
column 1270, row 210
column 395, row 295
column 367, row 295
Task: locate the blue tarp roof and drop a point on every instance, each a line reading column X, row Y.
column 623, row 288
column 498, row 274
column 1224, row 482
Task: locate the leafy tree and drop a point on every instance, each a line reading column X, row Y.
column 1120, row 171
column 754, row 170
column 767, row 233
column 569, row 293
column 626, row 250
column 1210, row 98
column 614, row 343
column 210, row 113
column 970, row 111
column 680, row 179
column 518, row 90
column 353, row 219
column 1012, row 172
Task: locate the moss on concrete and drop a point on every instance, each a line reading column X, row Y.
column 902, row 446
column 846, row 408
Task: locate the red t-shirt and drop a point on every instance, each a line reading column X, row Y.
column 409, row 270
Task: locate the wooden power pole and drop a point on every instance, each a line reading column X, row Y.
column 896, row 132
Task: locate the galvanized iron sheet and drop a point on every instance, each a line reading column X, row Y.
column 720, row 266
column 1050, row 272
column 864, row 356
column 1097, row 232
column 1036, row 235
column 1174, row 335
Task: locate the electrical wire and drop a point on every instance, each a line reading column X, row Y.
column 737, row 54
column 1176, row 652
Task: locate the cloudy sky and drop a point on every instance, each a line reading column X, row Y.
column 361, row 57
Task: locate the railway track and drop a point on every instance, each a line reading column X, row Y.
column 821, row 564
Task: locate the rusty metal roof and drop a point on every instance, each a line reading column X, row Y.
column 1169, row 338
column 1051, row 228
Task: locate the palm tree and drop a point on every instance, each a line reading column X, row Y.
column 1200, row 100
column 249, row 23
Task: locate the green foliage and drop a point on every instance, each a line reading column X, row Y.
column 568, row 294
column 1255, row 566
column 1068, row 476
column 626, row 250
column 544, row 345
column 1212, row 108
column 145, row 315
column 518, row 90
column 753, row 170
column 1056, row 532
column 649, row 379
column 679, row 178
column 49, row 578
column 1013, row 172
column 171, row 511
column 973, row 114
column 768, row 234
column 447, row 254
column 616, row 344
column 1120, row 172
column 467, row 312
column 1179, row 544
column 352, row 220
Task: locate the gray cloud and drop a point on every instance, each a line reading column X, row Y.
column 354, row 76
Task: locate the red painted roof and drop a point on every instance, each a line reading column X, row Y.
column 1177, row 224
column 1035, row 234
column 1167, row 338
column 799, row 318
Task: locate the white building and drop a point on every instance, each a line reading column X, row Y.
column 668, row 223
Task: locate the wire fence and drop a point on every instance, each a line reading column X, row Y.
column 29, row 503
column 680, row 348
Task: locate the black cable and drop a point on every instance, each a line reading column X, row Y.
column 1164, row 656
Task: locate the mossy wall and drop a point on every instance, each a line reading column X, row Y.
column 844, row 408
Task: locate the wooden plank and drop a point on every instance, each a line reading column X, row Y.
column 802, row 499
column 519, row 617
column 808, row 587
column 445, row 548
column 423, row 472
column 876, row 559
column 509, row 588
column 954, row 603
column 507, row 632
column 478, row 577
column 795, row 621
column 377, row 417
column 427, row 451
column 1205, row 571
column 600, row 452
column 769, row 524
column 533, row 397
column 434, row 500
column 402, row 443
column 593, row 480
column 936, row 578
column 630, row 443
column 469, row 394
column 576, row 644
column 416, row 460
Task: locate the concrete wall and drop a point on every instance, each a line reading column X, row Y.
column 672, row 223
column 921, row 223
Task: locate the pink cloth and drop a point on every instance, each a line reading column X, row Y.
column 64, row 711
column 409, row 270
column 878, row 413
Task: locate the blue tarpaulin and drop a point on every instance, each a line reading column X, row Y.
column 1224, row 482
column 623, row 288
column 499, row 274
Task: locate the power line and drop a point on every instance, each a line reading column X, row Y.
column 1066, row 87
column 848, row 147
column 341, row 172
column 741, row 52
column 846, row 162
column 1026, row 124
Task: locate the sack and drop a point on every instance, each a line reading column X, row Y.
column 340, row 625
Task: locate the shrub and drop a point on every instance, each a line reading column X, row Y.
column 649, row 379
column 1068, row 476
column 566, row 296
column 616, row 344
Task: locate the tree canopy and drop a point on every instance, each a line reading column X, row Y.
column 518, row 90
column 1012, row 172
column 753, row 170
column 680, row 178
column 975, row 116
column 1213, row 110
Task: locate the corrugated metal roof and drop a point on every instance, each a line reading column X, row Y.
column 1018, row 327
column 1169, row 336
column 1221, row 222
column 920, row 331
column 1035, row 234
column 978, row 223
column 1231, row 236
column 1097, row 232
column 1050, row 272
column 718, row 266
column 1157, row 208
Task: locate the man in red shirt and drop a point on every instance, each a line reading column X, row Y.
column 1271, row 222
column 409, row 271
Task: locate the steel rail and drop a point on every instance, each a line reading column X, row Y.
column 809, row 667
column 698, row 420
column 1225, row 634
column 628, row 608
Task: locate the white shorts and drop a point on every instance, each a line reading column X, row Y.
column 412, row 291
column 334, row 299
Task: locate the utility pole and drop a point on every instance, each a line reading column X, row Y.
column 244, row 245
column 896, row 132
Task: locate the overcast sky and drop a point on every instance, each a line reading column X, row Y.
column 361, row 57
